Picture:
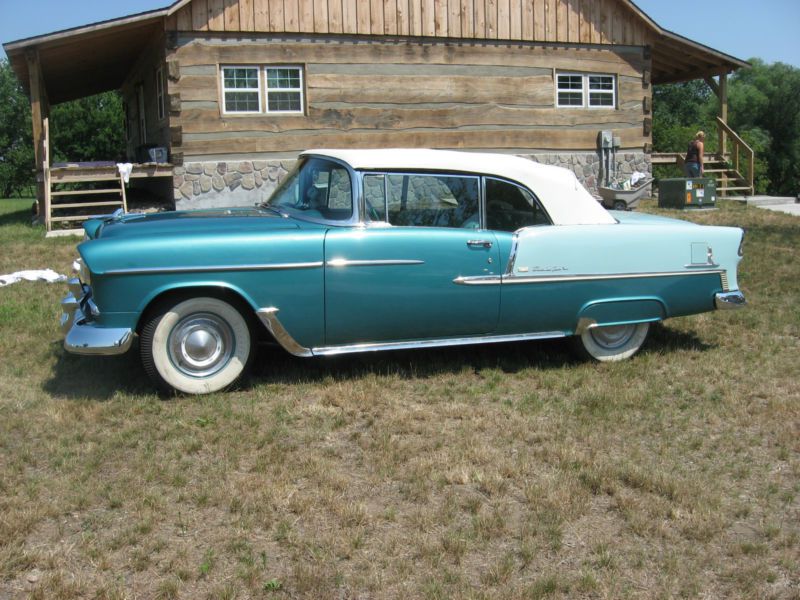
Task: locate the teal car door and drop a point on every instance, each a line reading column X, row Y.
column 394, row 279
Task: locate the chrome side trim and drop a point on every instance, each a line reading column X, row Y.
column 216, row 268
column 343, row 262
column 512, row 257
column 729, row 300
column 516, row 279
column 530, row 279
column 269, row 317
column 479, row 280
column 434, row 343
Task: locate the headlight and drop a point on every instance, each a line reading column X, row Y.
column 80, row 268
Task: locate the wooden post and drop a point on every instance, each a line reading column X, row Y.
column 39, row 112
column 723, row 110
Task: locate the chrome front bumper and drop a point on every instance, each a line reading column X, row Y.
column 83, row 336
column 729, row 300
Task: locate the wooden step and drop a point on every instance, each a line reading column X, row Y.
column 75, row 178
column 86, row 192
column 79, row 217
column 86, row 204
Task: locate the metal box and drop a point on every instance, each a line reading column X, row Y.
column 681, row 192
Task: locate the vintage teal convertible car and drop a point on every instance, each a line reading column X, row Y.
column 364, row 250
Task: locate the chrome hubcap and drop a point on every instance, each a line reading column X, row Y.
column 613, row 336
column 201, row 344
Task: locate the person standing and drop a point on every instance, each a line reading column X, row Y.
column 693, row 166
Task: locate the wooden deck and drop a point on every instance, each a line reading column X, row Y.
column 81, row 172
column 76, row 192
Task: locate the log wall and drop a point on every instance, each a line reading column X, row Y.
column 411, row 93
column 144, row 74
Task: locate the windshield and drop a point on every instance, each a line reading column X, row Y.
column 316, row 189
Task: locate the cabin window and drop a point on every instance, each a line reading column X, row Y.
column 284, row 89
column 241, row 90
column 162, row 112
column 248, row 90
column 585, row 90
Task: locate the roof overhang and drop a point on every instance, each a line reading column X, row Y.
column 95, row 58
column 87, row 60
column 676, row 58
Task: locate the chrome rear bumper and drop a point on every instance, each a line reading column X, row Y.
column 729, row 300
column 82, row 334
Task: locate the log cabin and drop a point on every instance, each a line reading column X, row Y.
column 220, row 96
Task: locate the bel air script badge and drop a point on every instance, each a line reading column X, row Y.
column 537, row 269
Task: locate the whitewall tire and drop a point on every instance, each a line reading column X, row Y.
column 196, row 346
column 613, row 342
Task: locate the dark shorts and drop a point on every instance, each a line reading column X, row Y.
column 692, row 169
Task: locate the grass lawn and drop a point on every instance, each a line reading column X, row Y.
column 506, row 471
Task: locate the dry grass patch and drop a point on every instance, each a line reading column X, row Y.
column 506, row 471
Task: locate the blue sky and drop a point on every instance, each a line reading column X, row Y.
column 767, row 29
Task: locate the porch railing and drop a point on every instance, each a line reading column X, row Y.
column 741, row 155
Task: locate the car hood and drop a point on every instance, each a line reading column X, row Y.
column 187, row 223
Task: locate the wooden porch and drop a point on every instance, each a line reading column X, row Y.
column 75, row 192
column 733, row 170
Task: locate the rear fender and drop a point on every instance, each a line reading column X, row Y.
column 620, row 311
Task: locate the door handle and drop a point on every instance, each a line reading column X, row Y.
column 479, row 243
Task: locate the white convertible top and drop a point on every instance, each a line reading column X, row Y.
column 565, row 199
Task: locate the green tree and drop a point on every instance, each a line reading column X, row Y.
column 82, row 130
column 88, row 129
column 763, row 108
column 16, row 145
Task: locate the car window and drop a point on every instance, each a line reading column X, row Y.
column 510, row 207
column 317, row 188
column 375, row 197
column 423, row 200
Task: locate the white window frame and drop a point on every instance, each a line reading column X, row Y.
column 161, row 99
column 585, row 91
column 224, row 89
column 300, row 90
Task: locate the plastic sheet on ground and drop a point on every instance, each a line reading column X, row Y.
column 47, row 275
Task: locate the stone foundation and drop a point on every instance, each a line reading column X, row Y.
column 245, row 183
column 588, row 166
column 224, row 184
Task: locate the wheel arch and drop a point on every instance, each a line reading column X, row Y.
column 620, row 311
column 231, row 294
